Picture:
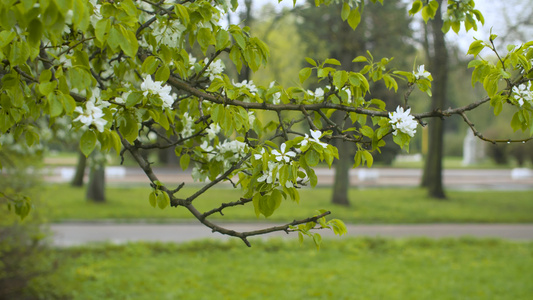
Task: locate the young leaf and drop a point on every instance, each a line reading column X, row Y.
column 87, row 142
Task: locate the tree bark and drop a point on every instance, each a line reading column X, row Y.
column 96, row 186
column 438, row 66
column 341, row 184
column 77, row 181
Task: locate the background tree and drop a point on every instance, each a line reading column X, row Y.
column 437, row 54
column 383, row 30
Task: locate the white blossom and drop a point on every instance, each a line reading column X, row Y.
column 207, row 149
column 403, row 121
column 523, row 94
column 187, row 125
column 260, row 154
column 122, row 99
column 150, row 87
column 236, row 148
column 249, row 85
column 276, row 98
column 268, row 175
column 421, row 73
column 91, row 115
column 285, row 156
column 215, row 69
column 315, row 137
column 251, row 117
column 212, row 131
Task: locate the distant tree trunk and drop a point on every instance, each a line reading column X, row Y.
column 346, row 53
column 77, row 181
column 438, row 65
column 341, row 184
column 246, row 20
column 96, row 186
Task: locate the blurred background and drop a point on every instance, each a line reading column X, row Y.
column 91, row 233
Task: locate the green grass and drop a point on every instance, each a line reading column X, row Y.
column 392, row 205
column 454, row 162
column 343, row 269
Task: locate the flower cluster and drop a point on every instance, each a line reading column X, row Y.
column 249, row 85
column 212, row 131
column 215, row 69
column 421, row 73
column 523, row 94
column 150, row 87
column 187, row 125
column 315, row 134
column 317, row 95
column 235, row 147
column 283, row 155
column 403, row 121
column 92, row 115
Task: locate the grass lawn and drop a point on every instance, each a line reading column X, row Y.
column 394, row 205
column 368, row 268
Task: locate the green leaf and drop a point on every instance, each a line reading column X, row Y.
column 222, row 39
column 311, row 61
column 339, row 79
column 312, row 158
column 368, row 157
column 204, row 37
column 475, row 48
column 152, row 199
column 128, row 42
column 255, row 200
column 6, row 37
column 269, row 203
column 354, row 18
column 416, row 7
column 185, row 159
column 332, row 61
column 87, row 142
column 237, row 36
column 162, row 74
column 35, row 30
column 102, row 28
column 360, row 59
column 304, row 74
column 182, row 13
column 162, row 200
column 345, row 11
column 56, row 105
column 149, row 65
column 133, row 99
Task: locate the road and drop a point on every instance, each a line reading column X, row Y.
column 70, row 234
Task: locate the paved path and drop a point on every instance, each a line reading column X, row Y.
column 69, row 234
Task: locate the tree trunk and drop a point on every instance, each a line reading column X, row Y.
column 346, row 53
column 342, row 174
column 438, row 66
column 96, row 186
column 77, row 181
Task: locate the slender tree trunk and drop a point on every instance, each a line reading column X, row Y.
column 342, row 174
column 96, row 186
column 80, row 170
column 438, row 65
column 346, row 53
